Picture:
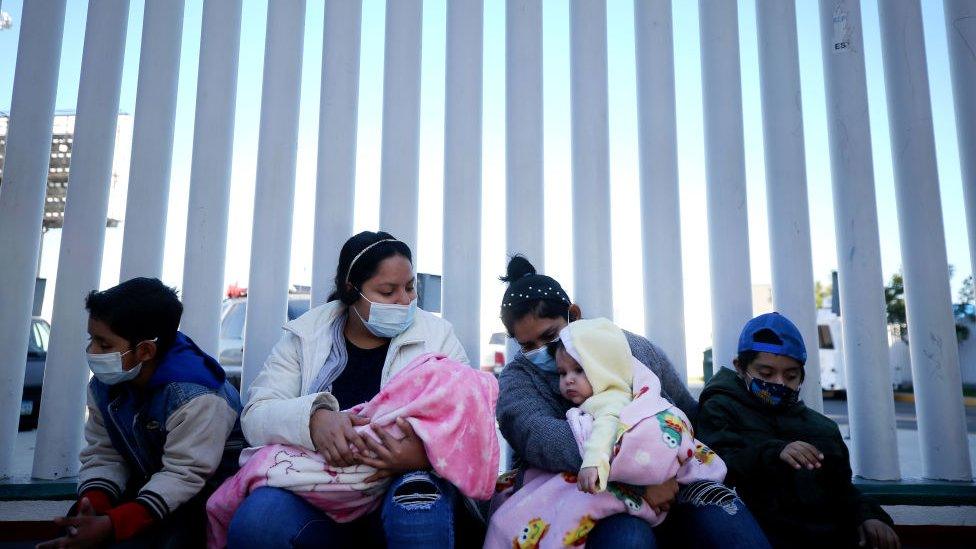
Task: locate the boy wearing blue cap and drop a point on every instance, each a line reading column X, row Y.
column 787, row 462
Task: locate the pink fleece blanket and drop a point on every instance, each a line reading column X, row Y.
column 656, row 443
column 450, row 406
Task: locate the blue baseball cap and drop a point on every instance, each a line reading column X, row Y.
column 785, row 330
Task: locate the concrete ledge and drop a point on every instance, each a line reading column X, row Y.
column 27, row 489
column 37, row 510
column 913, row 515
column 919, row 492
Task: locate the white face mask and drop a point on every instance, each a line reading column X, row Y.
column 388, row 319
column 108, row 369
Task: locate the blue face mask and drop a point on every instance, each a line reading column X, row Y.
column 542, row 358
column 388, row 319
column 776, row 395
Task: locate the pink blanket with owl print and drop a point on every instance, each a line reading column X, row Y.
column 450, row 406
column 655, row 443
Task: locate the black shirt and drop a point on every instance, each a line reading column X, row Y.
column 360, row 381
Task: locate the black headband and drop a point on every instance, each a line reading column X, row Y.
column 534, row 287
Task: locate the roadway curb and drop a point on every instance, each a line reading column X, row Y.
column 910, row 397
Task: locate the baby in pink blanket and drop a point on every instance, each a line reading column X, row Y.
column 449, row 405
column 629, row 436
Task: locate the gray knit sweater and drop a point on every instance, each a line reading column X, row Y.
column 532, row 413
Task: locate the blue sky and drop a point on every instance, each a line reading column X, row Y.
column 623, row 143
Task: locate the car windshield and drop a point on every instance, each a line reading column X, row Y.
column 234, row 321
column 233, row 324
column 40, row 333
column 297, row 306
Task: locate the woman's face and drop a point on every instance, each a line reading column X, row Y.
column 393, row 283
column 532, row 331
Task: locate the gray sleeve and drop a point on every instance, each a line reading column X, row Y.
column 539, row 436
column 672, row 386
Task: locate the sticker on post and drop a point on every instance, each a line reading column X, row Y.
column 842, row 29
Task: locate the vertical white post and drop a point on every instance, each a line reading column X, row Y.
column 335, row 192
column 931, row 327
column 400, row 164
column 82, row 240
column 664, row 310
column 870, row 405
column 728, row 226
column 210, row 170
column 22, row 200
column 592, row 263
column 274, row 194
column 462, row 172
column 960, row 21
column 524, row 183
column 786, row 181
column 152, row 140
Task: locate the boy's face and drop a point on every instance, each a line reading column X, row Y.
column 573, row 383
column 104, row 341
column 774, row 368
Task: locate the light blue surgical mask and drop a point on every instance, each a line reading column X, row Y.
column 108, row 368
column 388, row 319
column 542, row 358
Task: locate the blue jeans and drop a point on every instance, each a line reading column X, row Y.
column 705, row 514
column 417, row 511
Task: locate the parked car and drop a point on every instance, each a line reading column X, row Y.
column 232, row 316
column 494, row 361
column 30, row 402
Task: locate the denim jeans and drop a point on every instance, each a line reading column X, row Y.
column 417, row 511
column 705, row 514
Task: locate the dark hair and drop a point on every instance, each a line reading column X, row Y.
column 137, row 310
column 518, row 269
column 746, row 358
column 365, row 265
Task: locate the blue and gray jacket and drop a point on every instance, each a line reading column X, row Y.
column 165, row 443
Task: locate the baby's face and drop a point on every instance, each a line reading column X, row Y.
column 573, row 384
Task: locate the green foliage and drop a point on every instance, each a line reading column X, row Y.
column 967, row 294
column 894, row 294
column 820, row 292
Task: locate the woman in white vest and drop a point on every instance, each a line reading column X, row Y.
column 333, row 357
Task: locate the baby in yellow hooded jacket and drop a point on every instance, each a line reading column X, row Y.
column 596, row 372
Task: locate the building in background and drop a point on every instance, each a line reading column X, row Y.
column 59, row 170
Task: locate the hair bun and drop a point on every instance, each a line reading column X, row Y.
column 518, row 267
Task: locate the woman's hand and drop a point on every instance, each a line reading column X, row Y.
column 661, row 496
column 392, row 455
column 85, row 529
column 588, row 479
column 333, row 434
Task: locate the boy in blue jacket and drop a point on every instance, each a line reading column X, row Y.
column 163, row 425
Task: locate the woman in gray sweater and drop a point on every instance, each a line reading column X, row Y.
column 532, row 417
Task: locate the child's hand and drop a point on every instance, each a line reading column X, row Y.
column 588, row 479
column 801, row 454
column 83, row 530
column 875, row 533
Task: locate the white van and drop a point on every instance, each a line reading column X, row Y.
column 833, row 375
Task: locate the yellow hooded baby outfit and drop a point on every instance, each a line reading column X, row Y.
column 601, row 349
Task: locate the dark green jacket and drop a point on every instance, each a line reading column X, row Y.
column 794, row 507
